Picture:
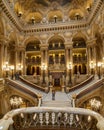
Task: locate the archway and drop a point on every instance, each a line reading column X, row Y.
column 33, row 55
column 79, row 54
column 56, row 60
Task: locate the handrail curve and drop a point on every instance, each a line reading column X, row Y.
column 27, row 91
column 33, row 85
column 8, row 118
column 90, row 89
column 80, row 85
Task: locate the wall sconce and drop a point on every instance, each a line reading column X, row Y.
column 6, row 68
column 55, row 18
column 33, row 20
column 20, row 13
column 77, row 16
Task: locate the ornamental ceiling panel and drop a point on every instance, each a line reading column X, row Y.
column 40, row 8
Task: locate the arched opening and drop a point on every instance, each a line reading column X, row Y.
column 79, row 55
column 56, row 60
column 33, row 56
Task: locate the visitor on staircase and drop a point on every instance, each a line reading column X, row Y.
column 53, row 94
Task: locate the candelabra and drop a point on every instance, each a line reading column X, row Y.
column 6, row 68
column 16, row 102
column 95, row 104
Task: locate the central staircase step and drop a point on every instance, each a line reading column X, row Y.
column 56, row 103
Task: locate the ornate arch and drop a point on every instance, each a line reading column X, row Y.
column 31, row 38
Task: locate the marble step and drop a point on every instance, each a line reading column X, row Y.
column 56, row 103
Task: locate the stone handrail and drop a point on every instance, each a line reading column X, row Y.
column 24, row 90
column 7, row 120
column 80, row 85
column 32, row 84
column 90, row 89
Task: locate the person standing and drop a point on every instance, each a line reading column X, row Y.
column 53, row 94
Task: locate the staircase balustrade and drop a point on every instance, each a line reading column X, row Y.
column 68, row 117
column 90, row 89
column 33, row 85
column 80, row 85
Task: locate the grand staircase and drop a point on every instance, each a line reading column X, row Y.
column 62, row 99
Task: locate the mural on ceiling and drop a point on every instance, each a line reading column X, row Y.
column 36, row 4
column 48, row 2
column 44, row 3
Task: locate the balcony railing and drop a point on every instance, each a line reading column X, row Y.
column 79, row 118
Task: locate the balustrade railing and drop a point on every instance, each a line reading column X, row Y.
column 90, row 89
column 31, row 117
column 80, row 85
column 24, row 90
column 33, row 85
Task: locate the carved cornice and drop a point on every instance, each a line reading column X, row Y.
column 55, row 27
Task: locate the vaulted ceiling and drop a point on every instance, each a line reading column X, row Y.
column 36, row 10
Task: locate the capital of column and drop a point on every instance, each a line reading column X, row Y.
column 44, row 46
column 68, row 45
column 21, row 48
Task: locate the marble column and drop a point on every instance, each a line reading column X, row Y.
column 42, row 62
column 46, row 62
column 69, row 57
column 1, row 59
column 16, row 61
column 23, row 63
column 88, row 60
column 89, row 56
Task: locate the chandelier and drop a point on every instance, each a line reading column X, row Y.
column 95, row 104
column 16, row 101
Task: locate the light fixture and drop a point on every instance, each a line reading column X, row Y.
column 70, row 65
column 16, row 101
column 33, row 19
column 6, row 68
column 77, row 15
column 43, row 66
column 95, row 104
column 55, row 18
column 20, row 13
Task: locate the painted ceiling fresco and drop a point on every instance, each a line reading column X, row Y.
column 44, row 3
column 48, row 2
